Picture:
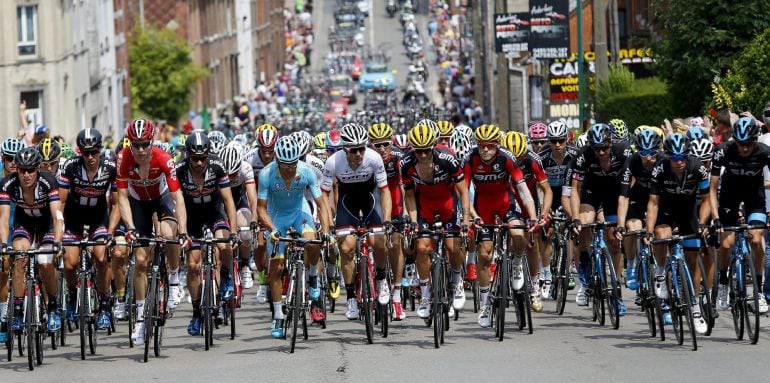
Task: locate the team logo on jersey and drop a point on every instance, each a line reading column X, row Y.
column 496, row 167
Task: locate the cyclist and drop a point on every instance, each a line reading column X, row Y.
column 319, row 146
column 10, row 147
column 737, row 171
column 596, row 186
column 496, row 177
column 434, row 185
column 619, row 130
column 282, row 206
column 381, row 135
column 84, row 183
column 49, row 151
column 537, row 135
column 362, row 185
column 119, row 252
column 634, row 195
column 674, row 187
column 148, row 185
column 260, row 157
column 445, row 131
column 205, row 186
column 38, row 220
column 218, row 141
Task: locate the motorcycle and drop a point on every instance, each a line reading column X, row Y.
column 391, row 8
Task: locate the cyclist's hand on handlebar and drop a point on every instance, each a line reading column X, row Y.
column 717, row 225
column 619, row 231
column 253, row 225
column 109, row 240
column 648, row 238
column 274, row 235
column 575, row 225
column 413, row 226
column 131, row 235
column 235, row 239
column 329, row 238
column 478, row 221
column 703, row 230
column 184, row 240
column 388, row 225
column 532, row 226
column 543, row 221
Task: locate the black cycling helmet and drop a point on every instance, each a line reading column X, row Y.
column 28, row 158
column 677, row 144
column 599, row 134
column 745, row 129
column 197, row 143
column 89, row 138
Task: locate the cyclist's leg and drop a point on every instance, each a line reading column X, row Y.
column 71, row 256
column 346, row 218
column 118, row 268
column 142, row 213
column 757, row 216
column 102, row 267
column 49, row 275
column 21, row 241
column 168, row 230
column 728, row 215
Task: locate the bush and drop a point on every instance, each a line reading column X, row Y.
column 747, row 80
column 646, row 103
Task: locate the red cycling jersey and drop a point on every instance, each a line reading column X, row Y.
column 534, row 174
column 161, row 177
column 494, row 182
column 437, row 195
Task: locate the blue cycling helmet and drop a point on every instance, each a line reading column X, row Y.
column 677, row 144
column 695, row 133
column 287, row 150
column 599, row 134
column 745, row 129
column 648, row 139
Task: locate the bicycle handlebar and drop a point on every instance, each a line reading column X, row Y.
column 635, row 233
column 675, row 238
column 743, row 227
column 599, row 224
column 81, row 243
column 301, row 241
column 28, row 252
column 361, row 232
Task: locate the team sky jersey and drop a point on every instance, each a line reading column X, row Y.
column 740, row 173
column 633, row 169
column 45, row 191
column 370, row 174
column 244, row 177
column 493, row 181
column 587, row 169
column 283, row 200
column 206, row 193
column 161, row 177
column 437, row 193
column 666, row 184
column 85, row 193
column 393, row 171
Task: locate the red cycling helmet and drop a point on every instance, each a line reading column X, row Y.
column 140, row 130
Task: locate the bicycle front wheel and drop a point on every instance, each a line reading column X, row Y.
column 611, row 291
column 502, row 293
column 707, row 307
column 150, row 305
column 685, row 282
column 296, row 277
column 675, row 305
column 561, row 277
column 30, row 324
column 753, row 290
column 437, row 308
column 737, row 295
column 367, row 291
column 207, row 306
column 82, row 314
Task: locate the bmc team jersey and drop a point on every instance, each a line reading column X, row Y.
column 161, row 177
column 436, row 195
column 493, row 182
column 89, row 194
column 283, row 200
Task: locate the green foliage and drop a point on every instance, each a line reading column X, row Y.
column 647, row 102
column 747, row 81
column 619, row 80
column 699, row 40
column 162, row 73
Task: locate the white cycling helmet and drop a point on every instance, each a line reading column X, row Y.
column 11, row 146
column 702, row 148
column 557, row 129
column 218, row 141
column 287, row 150
column 431, row 124
column 305, row 141
column 461, row 144
column 232, row 156
column 582, row 140
column 354, row 135
column 466, row 130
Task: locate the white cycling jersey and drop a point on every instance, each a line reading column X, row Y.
column 367, row 176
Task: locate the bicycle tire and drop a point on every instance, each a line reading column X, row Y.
column 30, row 324
column 22, row 340
column 561, row 282
column 384, row 317
column 687, row 295
column 150, row 305
column 527, row 300
column 751, row 303
column 501, row 296
column 366, row 299
column 675, row 305
column 297, row 277
column 612, row 292
column 707, row 308
column 130, row 304
column 62, row 297
column 9, row 343
column 736, row 295
column 207, row 309
column 592, row 289
column 648, row 303
column 81, row 310
column 39, row 340
column 475, row 291
column 436, row 304
column 655, row 300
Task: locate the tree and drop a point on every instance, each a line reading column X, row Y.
column 746, row 82
column 162, row 73
column 699, row 39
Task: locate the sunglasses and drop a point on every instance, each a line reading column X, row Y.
column 678, row 157
column 357, row 150
column 538, row 142
column 601, row 149
column 91, row 153
column 26, row 170
column 141, row 145
column 746, row 144
column 487, row 145
column 380, row 145
column 266, row 151
column 423, row 151
column 559, row 141
column 287, row 164
column 648, row 152
column 8, row 158
column 197, row 159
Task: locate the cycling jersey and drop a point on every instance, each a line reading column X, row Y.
column 203, row 197
column 161, row 177
column 534, row 174
column 600, row 187
column 255, row 160
column 555, row 172
column 32, row 220
column 677, row 203
column 357, row 197
column 318, row 167
column 87, row 198
column 494, row 182
column 741, row 181
column 635, row 184
column 435, row 196
column 392, row 169
column 238, row 185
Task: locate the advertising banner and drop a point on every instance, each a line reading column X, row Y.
column 511, row 32
column 549, row 29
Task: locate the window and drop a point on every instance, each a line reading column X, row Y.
column 26, row 21
column 34, row 101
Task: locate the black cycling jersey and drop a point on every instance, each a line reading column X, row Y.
column 740, row 173
column 588, row 170
column 45, row 191
column 665, row 183
column 214, row 178
column 633, row 169
column 84, row 193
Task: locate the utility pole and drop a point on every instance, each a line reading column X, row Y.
column 502, row 85
column 480, row 88
column 582, row 85
column 614, row 31
column 600, row 40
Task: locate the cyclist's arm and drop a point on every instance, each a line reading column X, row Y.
column 125, row 208
column 58, row 220
column 575, row 198
column 264, row 217
column 63, row 194
column 5, row 216
column 251, row 195
column 181, row 211
column 622, row 210
column 462, row 191
column 386, row 204
column 323, row 214
column 545, row 188
column 114, row 219
column 227, row 198
column 652, row 212
column 712, row 198
column 410, row 204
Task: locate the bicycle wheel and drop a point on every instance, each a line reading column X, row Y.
column 593, row 293
column 685, row 282
column 561, row 277
column 707, row 307
column 384, row 318
column 611, row 290
column 675, row 305
column 296, row 277
column 82, row 309
column 231, row 303
column 753, row 290
column 30, row 323
column 474, row 285
column 737, row 295
column 645, row 297
column 62, row 298
column 207, row 307
column 437, row 279
column 9, row 342
column 366, row 298
column 130, row 304
column 39, row 340
column 527, row 300
column 150, row 306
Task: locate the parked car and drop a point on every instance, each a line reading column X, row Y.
column 343, row 84
column 377, row 76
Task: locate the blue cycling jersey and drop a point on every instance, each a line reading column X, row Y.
column 287, row 201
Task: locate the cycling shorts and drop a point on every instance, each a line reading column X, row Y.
column 351, row 208
column 753, row 207
column 683, row 214
column 211, row 217
column 301, row 222
column 449, row 216
column 601, row 197
column 75, row 221
column 142, row 212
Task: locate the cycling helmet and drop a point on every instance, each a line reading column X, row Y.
column 241, row 139
column 320, row 141
column 516, row 143
column 702, row 148
column 164, row 146
column 557, row 129
column 677, row 144
column 287, row 150
column 647, row 139
column 67, row 152
column 11, row 146
column 401, row 141
column 354, row 135
column 140, row 129
column 696, row 122
column 537, row 131
column 695, row 133
column 198, row 144
column 334, row 139
column 305, row 141
column 599, row 134
column 745, row 129
column 488, row 133
column 181, row 141
column 619, row 130
column 49, row 150
column 232, row 156
column 422, row 137
column 582, row 140
column 89, row 139
column 461, row 144
column 429, row 123
column 465, row 129
column 28, row 158
column 218, row 141
column 124, row 143
column 107, row 154
column 381, row 131
column 266, row 138
column 445, row 128
column 264, row 127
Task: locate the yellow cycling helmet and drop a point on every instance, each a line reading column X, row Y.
column 265, row 127
column 49, row 149
column 320, row 141
column 488, row 133
column 380, row 131
column 422, row 137
column 516, row 143
column 445, row 128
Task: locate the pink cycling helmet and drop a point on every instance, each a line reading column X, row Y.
column 538, row 131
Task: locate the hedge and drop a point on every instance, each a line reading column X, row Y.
column 648, row 103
